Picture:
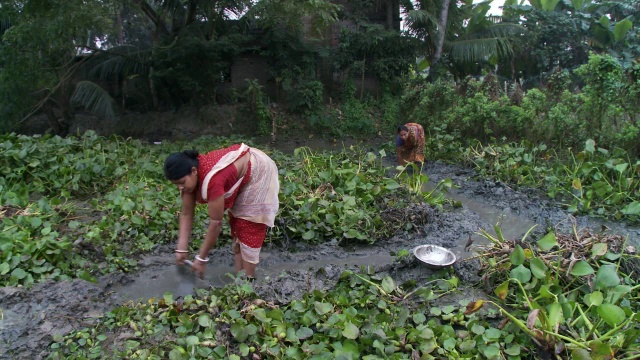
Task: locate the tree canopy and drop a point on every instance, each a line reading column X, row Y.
column 59, row 54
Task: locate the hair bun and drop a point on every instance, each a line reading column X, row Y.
column 191, row 153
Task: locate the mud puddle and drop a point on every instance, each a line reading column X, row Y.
column 31, row 317
column 180, row 281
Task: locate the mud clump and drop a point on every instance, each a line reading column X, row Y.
column 32, row 317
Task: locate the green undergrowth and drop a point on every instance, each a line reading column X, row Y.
column 364, row 316
column 573, row 295
column 561, row 296
column 83, row 206
column 592, row 180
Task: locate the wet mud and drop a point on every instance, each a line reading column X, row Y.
column 29, row 318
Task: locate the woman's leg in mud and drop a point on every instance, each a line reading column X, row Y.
column 248, row 268
column 241, row 265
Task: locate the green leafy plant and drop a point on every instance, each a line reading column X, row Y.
column 413, row 177
column 570, row 294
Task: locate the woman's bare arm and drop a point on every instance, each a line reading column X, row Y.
column 186, row 219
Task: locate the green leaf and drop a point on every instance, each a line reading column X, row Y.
column 631, row 209
column 322, row 308
column 478, row 329
column 555, row 313
column 621, row 28
column 36, row 222
column 192, row 340
column 600, row 350
column 606, row 277
column 176, row 354
column 580, row 354
column 4, row 268
column 467, row 345
column 538, row 268
column 18, row 273
column 521, row 273
column 204, row 320
column 423, row 64
column 304, row 332
column 599, row 249
column 594, row 299
column 577, row 4
column 239, row 332
column 449, row 344
column 419, row 318
column 244, row 349
column 491, row 352
column 350, row 331
column 82, row 274
column 388, row 285
column 611, row 314
column 547, row 242
column 502, row 290
column 513, row 350
column 590, row 145
column 618, row 292
column 517, row 256
column 309, row 235
column 581, row 268
column 621, row 167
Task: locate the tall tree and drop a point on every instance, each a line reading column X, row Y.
column 462, row 31
column 40, row 52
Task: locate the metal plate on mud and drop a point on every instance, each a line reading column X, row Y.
column 434, row 256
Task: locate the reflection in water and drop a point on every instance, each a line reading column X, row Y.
column 179, row 281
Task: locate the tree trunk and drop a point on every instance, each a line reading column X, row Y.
column 54, row 124
column 65, row 107
column 119, row 26
column 364, row 65
column 153, row 90
column 390, row 14
column 444, row 14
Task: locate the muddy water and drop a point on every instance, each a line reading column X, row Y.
column 179, row 281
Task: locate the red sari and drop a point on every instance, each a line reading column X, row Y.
column 252, row 200
column 412, row 149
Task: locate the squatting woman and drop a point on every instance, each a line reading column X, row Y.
column 410, row 144
column 239, row 179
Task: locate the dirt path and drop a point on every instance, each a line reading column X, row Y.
column 29, row 318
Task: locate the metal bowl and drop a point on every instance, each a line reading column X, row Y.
column 435, row 257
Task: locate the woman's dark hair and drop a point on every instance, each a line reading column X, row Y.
column 180, row 164
column 403, row 128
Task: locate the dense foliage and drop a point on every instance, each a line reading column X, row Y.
column 84, row 206
column 547, row 303
column 109, row 57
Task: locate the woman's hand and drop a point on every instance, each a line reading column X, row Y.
column 181, row 257
column 198, row 268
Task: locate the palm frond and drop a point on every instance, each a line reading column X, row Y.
column 95, row 99
column 501, row 30
column 420, row 18
column 473, row 50
column 121, row 61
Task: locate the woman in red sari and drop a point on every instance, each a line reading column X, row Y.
column 239, row 179
column 410, row 144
